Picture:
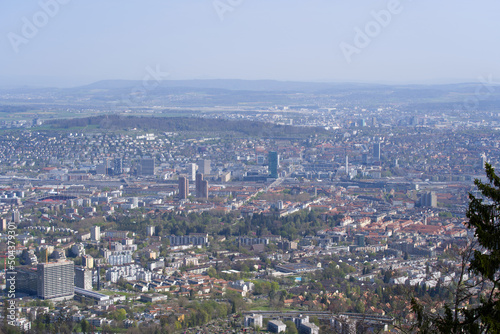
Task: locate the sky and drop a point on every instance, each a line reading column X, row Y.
column 75, row 42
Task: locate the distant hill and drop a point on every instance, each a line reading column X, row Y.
column 115, row 95
column 233, row 84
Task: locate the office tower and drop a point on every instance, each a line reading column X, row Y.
column 429, row 199
column 25, row 280
column 183, row 187
column 201, row 186
column 347, row 165
column 204, row 189
column 101, row 169
column 199, row 178
column 56, row 280
column 16, row 216
column 118, row 166
column 483, row 160
column 147, row 167
column 376, row 151
column 88, row 261
column 273, row 158
column 3, row 224
column 192, row 171
column 360, row 240
column 151, row 230
column 204, row 167
column 95, row 233
column 364, row 158
column 83, row 278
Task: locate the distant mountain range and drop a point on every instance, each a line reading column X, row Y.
column 274, row 86
column 197, row 93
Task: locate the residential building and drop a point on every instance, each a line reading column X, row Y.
column 276, row 326
column 376, row 151
column 56, row 280
column 204, row 166
column 95, row 233
column 183, row 188
column 83, row 278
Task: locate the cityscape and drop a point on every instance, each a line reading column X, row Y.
column 180, row 203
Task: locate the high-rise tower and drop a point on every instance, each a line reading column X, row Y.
column 273, row 158
column 183, row 187
column 376, row 151
column 56, row 280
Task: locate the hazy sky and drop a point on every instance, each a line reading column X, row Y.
column 81, row 41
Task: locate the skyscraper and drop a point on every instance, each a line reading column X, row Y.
column 192, row 171
column 376, row 151
column 16, row 216
column 273, row 158
column 56, row 280
column 183, row 187
column 201, row 186
column 429, row 199
column 117, row 166
column 483, row 161
column 148, row 167
column 95, row 233
column 204, row 167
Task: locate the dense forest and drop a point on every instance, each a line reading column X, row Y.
column 177, row 124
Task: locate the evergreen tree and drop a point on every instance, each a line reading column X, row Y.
column 482, row 258
column 484, row 218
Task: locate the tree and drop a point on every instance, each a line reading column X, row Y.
column 480, row 257
column 290, row 327
column 484, row 218
column 85, row 326
column 120, row 315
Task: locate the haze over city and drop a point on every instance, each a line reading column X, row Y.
column 79, row 42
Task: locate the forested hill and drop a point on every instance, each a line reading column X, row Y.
column 187, row 124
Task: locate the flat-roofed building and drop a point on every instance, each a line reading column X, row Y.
column 183, row 187
column 83, row 278
column 95, row 297
column 148, row 167
column 88, row 261
column 56, row 280
column 276, row 326
column 25, row 280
